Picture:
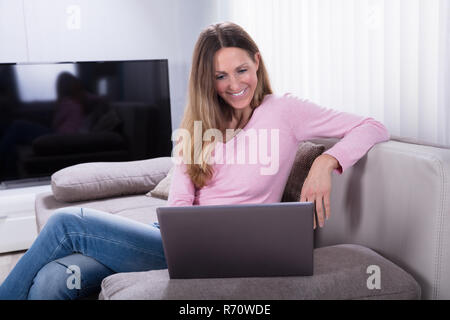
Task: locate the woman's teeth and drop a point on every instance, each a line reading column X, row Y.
column 239, row 93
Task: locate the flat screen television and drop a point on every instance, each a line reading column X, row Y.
column 54, row 115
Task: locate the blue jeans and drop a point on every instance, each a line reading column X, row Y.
column 76, row 249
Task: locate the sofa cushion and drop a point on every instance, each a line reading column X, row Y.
column 98, row 180
column 340, row 272
column 307, row 152
column 136, row 207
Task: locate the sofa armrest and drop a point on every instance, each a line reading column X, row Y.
column 96, row 180
column 396, row 201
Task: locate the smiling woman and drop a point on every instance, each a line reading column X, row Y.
column 228, row 82
column 229, row 89
column 237, row 85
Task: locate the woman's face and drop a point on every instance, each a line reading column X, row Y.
column 235, row 76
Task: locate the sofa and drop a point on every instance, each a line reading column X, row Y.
column 390, row 212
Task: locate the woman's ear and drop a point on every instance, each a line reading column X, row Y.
column 257, row 57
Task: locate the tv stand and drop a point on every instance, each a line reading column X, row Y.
column 17, row 214
column 23, row 183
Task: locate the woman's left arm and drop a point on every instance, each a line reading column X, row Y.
column 357, row 135
column 317, row 186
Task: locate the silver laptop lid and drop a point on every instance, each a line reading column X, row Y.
column 247, row 240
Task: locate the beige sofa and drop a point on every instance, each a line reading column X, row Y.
column 391, row 210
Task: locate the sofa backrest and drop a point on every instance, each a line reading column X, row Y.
column 396, row 201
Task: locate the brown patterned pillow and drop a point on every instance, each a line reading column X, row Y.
column 307, row 152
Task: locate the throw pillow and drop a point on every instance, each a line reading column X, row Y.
column 307, row 152
column 162, row 188
column 98, row 180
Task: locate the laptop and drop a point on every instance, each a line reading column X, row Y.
column 245, row 240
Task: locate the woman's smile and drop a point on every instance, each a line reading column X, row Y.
column 240, row 93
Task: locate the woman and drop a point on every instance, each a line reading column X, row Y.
column 228, row 89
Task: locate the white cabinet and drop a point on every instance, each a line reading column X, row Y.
column 17, row 217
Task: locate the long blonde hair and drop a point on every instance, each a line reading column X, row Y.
column 203, row 102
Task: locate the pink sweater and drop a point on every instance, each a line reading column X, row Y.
column 280, row 124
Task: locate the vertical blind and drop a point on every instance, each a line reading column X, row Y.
column 387, row 59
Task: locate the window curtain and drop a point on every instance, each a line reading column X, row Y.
column 387, row 59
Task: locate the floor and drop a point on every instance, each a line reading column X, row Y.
column 7, row 262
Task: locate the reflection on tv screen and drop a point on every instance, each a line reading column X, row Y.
column 60, row 114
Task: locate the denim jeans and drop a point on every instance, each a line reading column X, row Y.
column 76, row 249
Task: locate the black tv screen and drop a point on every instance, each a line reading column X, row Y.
column 55, row 115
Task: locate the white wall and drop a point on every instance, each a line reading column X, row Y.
column 13, row 46
column 48, row 31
